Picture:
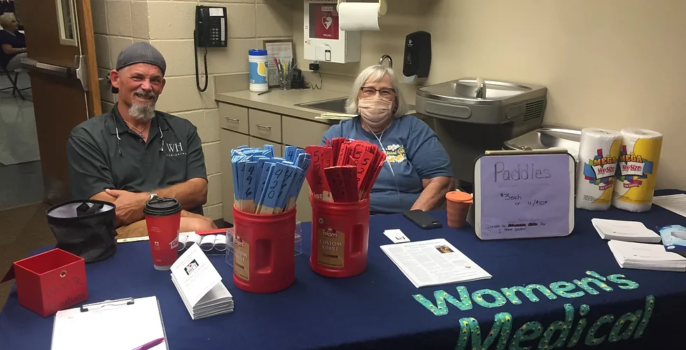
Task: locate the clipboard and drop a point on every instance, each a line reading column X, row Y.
column 99, row 325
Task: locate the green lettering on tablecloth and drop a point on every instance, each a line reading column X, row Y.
column 563, row 289
column 498, row 302
column 650, row 305
column 441, row 309
column 529, row 331
column 583, row 283
column 628, row 284
column 580, row 326
column 469, row 328
column 557, row 333
column 528, row 291
column 591, row 338
column 629, row 318
column 563, row 328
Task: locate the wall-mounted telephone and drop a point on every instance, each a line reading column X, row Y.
column 210, row 31
column 210, row 26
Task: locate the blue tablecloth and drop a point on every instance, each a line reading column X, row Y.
column 378, row 309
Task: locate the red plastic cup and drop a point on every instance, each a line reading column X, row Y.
column 163, row 218
column 458, row 206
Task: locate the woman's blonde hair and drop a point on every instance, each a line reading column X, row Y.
column 6, row 19
column 373, row 74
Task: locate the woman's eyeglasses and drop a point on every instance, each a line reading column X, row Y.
column 386, row 94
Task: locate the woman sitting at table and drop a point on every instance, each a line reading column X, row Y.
column 417, row 173
column 12, row 43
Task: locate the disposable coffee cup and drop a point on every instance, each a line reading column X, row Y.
column 458, row 203
column 163, row 217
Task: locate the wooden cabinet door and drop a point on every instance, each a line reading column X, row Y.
column 229, row 140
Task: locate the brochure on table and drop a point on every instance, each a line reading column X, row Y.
column 620, row 230
column 631, row 255
column 433, row 262
column 199, row 285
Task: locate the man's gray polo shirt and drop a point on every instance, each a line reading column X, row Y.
column 104, row 153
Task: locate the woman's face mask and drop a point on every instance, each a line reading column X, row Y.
column 374, row 110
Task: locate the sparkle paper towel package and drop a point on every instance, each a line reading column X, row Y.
column 325, row 41
column 637, row 169
column 598, row 154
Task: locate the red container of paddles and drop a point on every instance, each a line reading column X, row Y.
column 263, row 245
column 340, row 178
column 266, row 190
column 340, row 237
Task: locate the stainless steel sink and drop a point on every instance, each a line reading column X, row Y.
column 336, row 105
column 547, row 137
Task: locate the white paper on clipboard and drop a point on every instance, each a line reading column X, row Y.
column 282, row 51
column 97, row 328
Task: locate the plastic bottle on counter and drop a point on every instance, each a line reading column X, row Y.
column 259, row 81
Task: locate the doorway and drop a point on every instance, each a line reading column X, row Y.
column 21, row 180
column 56, row 89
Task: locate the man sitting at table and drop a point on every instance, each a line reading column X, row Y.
column 134, row 153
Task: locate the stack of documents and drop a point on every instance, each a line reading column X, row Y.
column 433, row 262
column 629, row 231
column 199, row 285
column 675, row 203
column 641, row 256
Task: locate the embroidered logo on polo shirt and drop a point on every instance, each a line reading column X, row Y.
column 175, row 149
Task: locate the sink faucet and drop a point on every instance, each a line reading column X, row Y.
column 383, row 58
column 480, row 88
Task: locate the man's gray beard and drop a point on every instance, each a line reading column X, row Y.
column 142, row 112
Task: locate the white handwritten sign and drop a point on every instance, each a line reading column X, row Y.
column 524, row 196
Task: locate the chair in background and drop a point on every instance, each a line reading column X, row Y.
column 14, row 81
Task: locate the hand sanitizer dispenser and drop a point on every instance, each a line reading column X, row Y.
column 324, row 40
column 417, row 59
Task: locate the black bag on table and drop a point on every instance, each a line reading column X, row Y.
column 85, row 228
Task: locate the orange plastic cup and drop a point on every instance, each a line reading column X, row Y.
column 458, row 206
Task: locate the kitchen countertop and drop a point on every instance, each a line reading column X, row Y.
column 281, row 101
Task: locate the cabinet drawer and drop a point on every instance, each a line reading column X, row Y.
column 233, row 117
column 259, row 143
column 265, row 125
column 302, row 133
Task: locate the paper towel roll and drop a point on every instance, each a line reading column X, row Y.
column 598, row 154
column 637, row 169
column 355, row 16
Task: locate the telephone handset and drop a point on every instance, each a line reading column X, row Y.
column 210, row 31
column 210, row 26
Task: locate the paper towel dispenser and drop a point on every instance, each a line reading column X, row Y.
column 324, row 39
column 417, row 59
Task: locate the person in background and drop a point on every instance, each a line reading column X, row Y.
column 417, row 173
column 12, row 43
column 134, row 153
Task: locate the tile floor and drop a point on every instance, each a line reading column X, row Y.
column 23, row 228
column 21, row 181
